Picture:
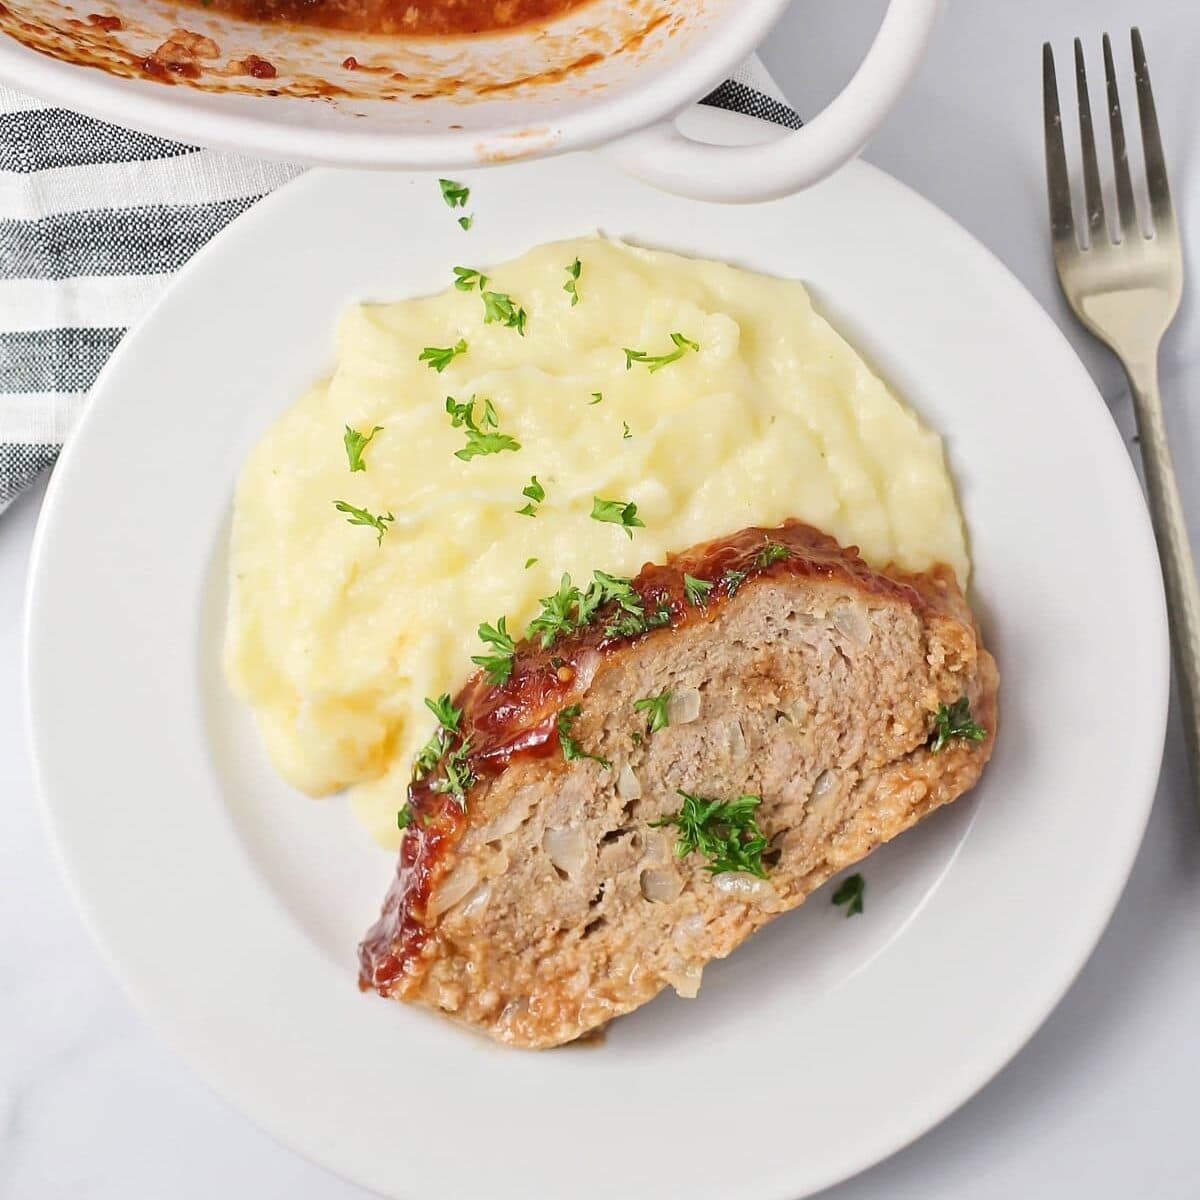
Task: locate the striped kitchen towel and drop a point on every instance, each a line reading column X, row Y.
column 94, row 221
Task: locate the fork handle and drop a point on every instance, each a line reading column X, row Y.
column 1175, row 551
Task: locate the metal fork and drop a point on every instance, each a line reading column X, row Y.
column 1126, row 290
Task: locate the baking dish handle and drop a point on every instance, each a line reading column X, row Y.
column 663, row 156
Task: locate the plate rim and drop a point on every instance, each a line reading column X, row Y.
column 930, row 1116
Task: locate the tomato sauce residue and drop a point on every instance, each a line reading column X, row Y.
column 258, row 67
column 518, row 719
column 413, row 18
column 108, row 23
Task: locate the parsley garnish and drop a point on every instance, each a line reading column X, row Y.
column 529, row 563
column 535, row 494
column 466, row 278
column 954, row 722
column 497, row 306
column 635, row 624
column 725, row 833
column 626, row 435
column 440, row 357
column 655, row 362
column 455, row 194
column 556, row 615
column 733, row 580
column 696, row 590
column 404, row 817
column 772, row 552
column 570, row 609
column 656, row 706
column 499, row 665
column 596, row 398
column 617, row 512
column 479, row 441
column 570, row 286
column 850, row 892
column 448, row 718
column 360, row 516
column 459, row 776
column 570, row 747
column 356, row 443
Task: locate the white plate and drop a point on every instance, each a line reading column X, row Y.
column 231, row 907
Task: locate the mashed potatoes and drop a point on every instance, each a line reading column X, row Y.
column 338, row 631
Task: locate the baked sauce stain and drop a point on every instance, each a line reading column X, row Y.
column 517, row 719
column 254, row 65
column 98, row 43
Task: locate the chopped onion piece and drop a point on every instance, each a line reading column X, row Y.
column 683, row 706
column 742, row 883
column 629, row 787
column 453, row 888
column 737, row 741
column 851, row 622
column 660, row 886
column 566, row 848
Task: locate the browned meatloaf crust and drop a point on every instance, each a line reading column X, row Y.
column 552, row 903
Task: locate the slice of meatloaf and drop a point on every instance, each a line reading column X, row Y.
column 564, row 859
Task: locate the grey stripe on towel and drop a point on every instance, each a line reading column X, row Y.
column 43, row 139
column 112, row 241
column 54, row 360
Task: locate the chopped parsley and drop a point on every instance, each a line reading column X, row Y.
column 479, row 441
column 571, row 608
column 696, row 590
column 656, row 362
column 954, row 722
column 596, row 398
column 458, row 775
column 626, row 435
column 404, row 817
column 455, row 194
column 656, row 709
column 360, row 516
column 634, row 624
column 497, row 306
column 448, row 718
column 529, row 563
column 573, row 279
column 467, row 278
column 498, row 666
column 440, row 357
column 727, row 834
column 556, row 617
column 617, row 512
column 733, row 580
column 772, row 552
column 570, row 747
column 850, row 892
column 535, row 494
column 356, row 443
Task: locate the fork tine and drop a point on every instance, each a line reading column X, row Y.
column 1125, row 202
column 1058, row 184
column 1156, row 167
column 1092, row 195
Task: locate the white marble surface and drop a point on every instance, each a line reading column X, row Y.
column 1100, row 1104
